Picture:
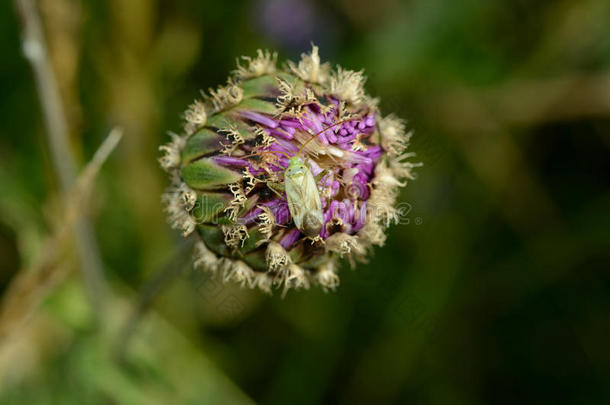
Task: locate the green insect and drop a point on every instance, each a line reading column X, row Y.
column 302, row 192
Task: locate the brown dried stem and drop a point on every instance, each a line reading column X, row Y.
column 31, row 286
column 35, row 51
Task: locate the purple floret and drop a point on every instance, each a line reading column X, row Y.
column 344, row 204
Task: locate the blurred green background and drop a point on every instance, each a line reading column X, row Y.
column 495, row 289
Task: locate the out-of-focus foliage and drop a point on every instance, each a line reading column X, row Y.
column 494, row 288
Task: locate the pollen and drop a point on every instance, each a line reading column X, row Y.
column 276, row 256
column 171, row 153
column 264, row 63
column 225, row 96
column 309, row 67
column 348, row 85
column 266, row 222
column 195, row 116
column 235, row 235
column 239, row 198
column 234, row 137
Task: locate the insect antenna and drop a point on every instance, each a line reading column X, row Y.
column 324, row 130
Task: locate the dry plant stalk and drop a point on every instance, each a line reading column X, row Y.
column 36, row 52
column 31, row 286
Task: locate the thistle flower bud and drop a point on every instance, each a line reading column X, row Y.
column 228, row 168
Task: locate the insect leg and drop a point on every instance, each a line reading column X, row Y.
column 277, row 188
column 321, row 175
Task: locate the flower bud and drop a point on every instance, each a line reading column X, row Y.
column 229, row 171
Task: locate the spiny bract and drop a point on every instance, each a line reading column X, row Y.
column 220, row 169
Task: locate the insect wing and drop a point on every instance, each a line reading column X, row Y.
column 302, row 194
column 295, row 196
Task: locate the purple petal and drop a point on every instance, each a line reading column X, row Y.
column 341, row 212
column 315, row 124
column 346, row 139
column 281, row 212
column 290, row 123
column 359, row 157
column 250, row 216
column 288, row 147
column 281, row 133
column 288, row 129
column 315, row 168
column 361, row 217
column 230, row 161
column 332, row 138
column 329, row 213
column 290, row 238
column 359, row 186
column 255, row 171
column 259, row 118
column 374, row 152
column 350, row 211
column 366, row 168
column 335, row 188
